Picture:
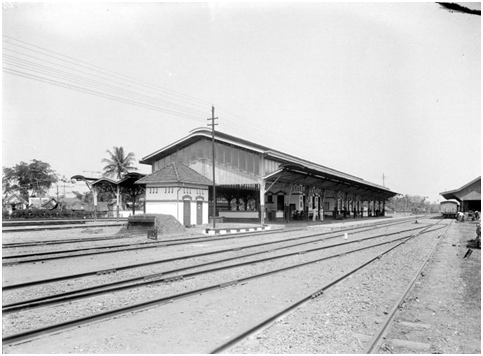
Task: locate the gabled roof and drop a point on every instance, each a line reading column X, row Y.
column 175, row 173
column 455, row 193
column 463, row 187
column 50, row 203
column 283, row 158
column 15, row 199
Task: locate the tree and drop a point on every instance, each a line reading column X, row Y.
column 118, row 163
column 36, row 177
column 7, row 184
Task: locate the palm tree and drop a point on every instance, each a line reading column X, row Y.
column 118, row 163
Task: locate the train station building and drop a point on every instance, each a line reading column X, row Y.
column 469, row 195
column 257, row 182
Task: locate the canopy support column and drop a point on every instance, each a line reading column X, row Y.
column 94, row 193
column 306, row 207
column 262, row 189
column 118, row 195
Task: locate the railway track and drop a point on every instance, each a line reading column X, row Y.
column 373, row 344
column 80, row 321
column 185, row 257
column 41, row 257
column 62, row 242
column 167, row 276
column 130, row 235
column 29, row 258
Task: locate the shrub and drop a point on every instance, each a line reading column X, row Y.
column 34, row 213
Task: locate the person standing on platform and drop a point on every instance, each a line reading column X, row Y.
column 315, row 214
column 321, row 214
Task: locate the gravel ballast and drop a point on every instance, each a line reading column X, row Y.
column 222, row 313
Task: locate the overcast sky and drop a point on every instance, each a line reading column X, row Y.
column 367, row 89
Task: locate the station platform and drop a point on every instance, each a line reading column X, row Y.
column 248, row 225
column 330, row 224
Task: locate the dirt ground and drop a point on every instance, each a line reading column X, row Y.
column 446, row 301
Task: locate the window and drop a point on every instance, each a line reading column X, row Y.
column 242, row 160
column 219, row 153
column 257, row 164
column 199, row 149
column 207, row 148
column 228, row 150
column 192, row 150
column 250, row 162
column 269, row 199
column 234, row 157
column 179, row 156
column 186, row 155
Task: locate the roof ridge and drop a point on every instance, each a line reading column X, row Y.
column 176, row 171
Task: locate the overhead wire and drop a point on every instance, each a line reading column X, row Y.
column 200, row 112
column 104, row 71
column 90, row 83
column 171, row 102
column 88, row 91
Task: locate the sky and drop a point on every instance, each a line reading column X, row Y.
column 369, row 89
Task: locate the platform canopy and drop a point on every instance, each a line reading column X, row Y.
column 126, row 181
column 253, row 167
column 469, row 195
column 125, row 185
column 465, row 192
column 317, row 177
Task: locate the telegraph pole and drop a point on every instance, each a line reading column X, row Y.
column 383, row 177
column 213, row 118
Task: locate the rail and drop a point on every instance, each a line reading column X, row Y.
column 109, row 314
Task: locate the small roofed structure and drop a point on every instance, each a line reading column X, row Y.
column 15, row 202
column 469, row 195
column 126, row 185
column 177, row 190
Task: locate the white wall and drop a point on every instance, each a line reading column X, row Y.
column 170, row 201
column 168, row 208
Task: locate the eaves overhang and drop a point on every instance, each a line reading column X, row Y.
column 198, row 134
column 340, row 178
column 79, row 177
column 300, row 175
column 127, row 178
column 451, row 194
